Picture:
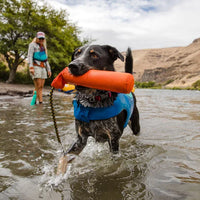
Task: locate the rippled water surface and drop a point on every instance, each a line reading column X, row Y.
column 162, row 163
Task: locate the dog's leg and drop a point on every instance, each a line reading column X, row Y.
column 114, row 146
column 75, row 149
column 113, row 141
column 135, row 125
column 81, row 141
column 78, row 146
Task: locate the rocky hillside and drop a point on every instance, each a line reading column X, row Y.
column 173, row 67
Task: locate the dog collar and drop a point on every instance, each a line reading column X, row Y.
column 100, row 97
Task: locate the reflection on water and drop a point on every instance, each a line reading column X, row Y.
column 162, row 163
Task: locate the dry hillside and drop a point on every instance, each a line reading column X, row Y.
column 178, row 65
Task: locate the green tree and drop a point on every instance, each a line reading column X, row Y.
column 19, row 22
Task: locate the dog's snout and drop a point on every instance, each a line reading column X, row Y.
column 74, row 69
column 77, row 68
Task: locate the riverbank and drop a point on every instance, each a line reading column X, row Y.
column 27, row 89
column 153, row 85
column 20, row 89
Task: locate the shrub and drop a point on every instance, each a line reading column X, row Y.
column 23, row 78
column 168, row 82
column 196, row 84
column 4, row 73
column 149, row 84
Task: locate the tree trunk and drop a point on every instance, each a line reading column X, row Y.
column 11, row 75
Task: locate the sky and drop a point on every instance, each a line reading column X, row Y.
column 139, row 24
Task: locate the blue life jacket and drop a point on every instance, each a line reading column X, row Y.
column 122, row 102
column 40, row 55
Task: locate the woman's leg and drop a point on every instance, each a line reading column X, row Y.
column 40, row 85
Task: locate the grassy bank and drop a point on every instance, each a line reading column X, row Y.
column 154, row 85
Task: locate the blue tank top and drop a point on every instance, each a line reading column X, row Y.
column 122, row 102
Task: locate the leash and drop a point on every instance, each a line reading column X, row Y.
column 54, row 118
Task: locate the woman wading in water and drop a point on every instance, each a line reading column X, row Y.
column 38, row 63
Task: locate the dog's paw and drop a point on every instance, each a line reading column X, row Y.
column 63, row 162
column 62, row 165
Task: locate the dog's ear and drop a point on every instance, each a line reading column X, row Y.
column 114, row 53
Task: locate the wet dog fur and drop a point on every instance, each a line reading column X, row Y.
column 100, row 57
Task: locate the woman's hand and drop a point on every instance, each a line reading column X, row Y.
column 49, row 74
column 31, row 69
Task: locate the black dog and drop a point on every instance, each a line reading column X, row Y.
column 111, row 129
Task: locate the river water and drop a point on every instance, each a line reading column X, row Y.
column 163, row 162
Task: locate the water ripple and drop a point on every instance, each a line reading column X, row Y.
column 162, row 163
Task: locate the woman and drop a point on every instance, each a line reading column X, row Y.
column 38, row 63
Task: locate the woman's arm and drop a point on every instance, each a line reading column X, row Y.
column 48, row 69
column 30, row 57
column 30, row 54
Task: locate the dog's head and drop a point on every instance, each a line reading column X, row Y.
column 100, row 57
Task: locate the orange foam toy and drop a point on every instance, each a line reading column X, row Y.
column 102, row 80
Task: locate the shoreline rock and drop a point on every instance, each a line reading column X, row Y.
column 18, row 90
column 24, row 90
column 17, row 93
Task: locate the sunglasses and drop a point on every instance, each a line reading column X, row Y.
column 41, row 38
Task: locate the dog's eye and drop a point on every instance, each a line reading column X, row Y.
column 94, row 55
column 78, row 52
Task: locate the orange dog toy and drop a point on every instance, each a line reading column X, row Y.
column 97, row 79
